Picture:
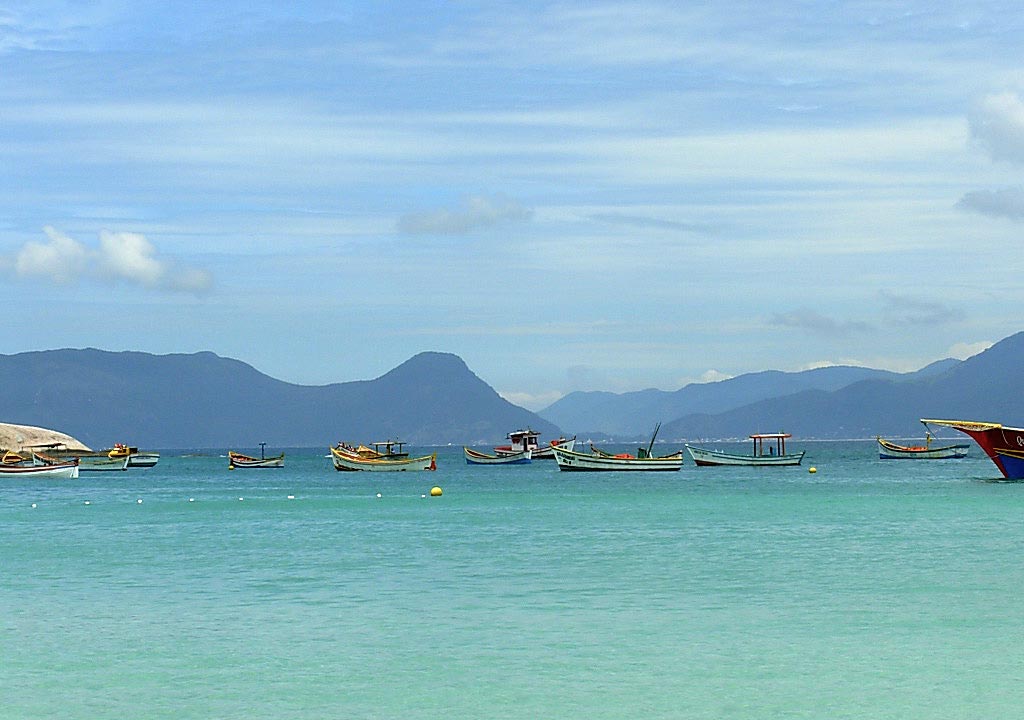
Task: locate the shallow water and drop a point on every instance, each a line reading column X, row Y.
column 882, row 589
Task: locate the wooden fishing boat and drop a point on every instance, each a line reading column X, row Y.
column 112, row 460
column 238, row 460
column 521, row 440
column 600, row 461
column 38, row 466
column 474, row 457
column 775, row 456
column 570, row 460
column 346, row 458
column 1004, row 445
column 888, row 450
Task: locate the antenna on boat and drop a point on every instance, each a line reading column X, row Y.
column 262, row 445
column 651, row 446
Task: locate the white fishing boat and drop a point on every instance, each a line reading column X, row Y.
column 362, row 458
column 474, row 457
column 38, row 466
column 521, row 440
column 598, row 460
column 572, row 460
column 143, row 458
column 762, row 455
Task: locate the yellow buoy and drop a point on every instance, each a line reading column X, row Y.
column 435, row 491
column 812, row 470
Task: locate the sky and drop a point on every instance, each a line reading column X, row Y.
column 568, row 196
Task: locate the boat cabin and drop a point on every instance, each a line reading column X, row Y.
column 521, row 441
column 390, row 449
column 777, row 450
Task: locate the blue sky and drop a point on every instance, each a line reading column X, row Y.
column 569, row 196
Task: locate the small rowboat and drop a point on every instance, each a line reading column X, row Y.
column 238, row 460
column 891, row 451
column 478, row 458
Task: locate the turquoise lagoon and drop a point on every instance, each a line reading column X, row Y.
column 870, row 589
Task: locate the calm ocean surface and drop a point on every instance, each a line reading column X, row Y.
column 871, row 589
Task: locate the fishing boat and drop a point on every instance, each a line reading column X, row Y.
column 112, row 460
column 521, row 440
column 474, row 457
column 775, row 455
column 238, row 460
column 142, row 458
column 1004, row 445
column 136, row 457
column 393, row 459
column 888, row 450
column 598, row 461
column 38, row 466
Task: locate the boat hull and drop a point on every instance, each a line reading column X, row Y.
column 346, row 462
column 143, row 459
column 702, row 457
column 235, row 460
column 891, row 451
column 102, row 463
column 572, row 461
column 1003, row 445
column 62, row 471
column 478, row 458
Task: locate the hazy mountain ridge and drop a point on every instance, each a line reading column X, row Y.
column 634, row 413
column 202, row 400
column 987, row 386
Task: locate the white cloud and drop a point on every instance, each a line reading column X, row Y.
column 121, row 257
column 532, row 401
column 473, row 214
column 964, row 350
column 62, row 259
column 815, row 323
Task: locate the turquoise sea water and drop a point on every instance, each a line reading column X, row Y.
column 870, row 589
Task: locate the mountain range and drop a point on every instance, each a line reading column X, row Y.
column 202, row 400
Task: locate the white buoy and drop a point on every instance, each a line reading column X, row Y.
column 139, row 501
column 191, row 499
column 241, row 499
column 33, row 504
column 291, row 497
column 88, row 503
column 378, row 494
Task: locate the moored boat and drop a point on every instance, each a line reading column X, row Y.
column 521, row 440
column 112, row 460
column 888, row 450
column 776, row 454
column 599, row 461
column 474, row 457
column 1004, row 445
column 570, row 460
column 347, row 458
column 239, row 460
column 38, row 466
column 143, row 458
